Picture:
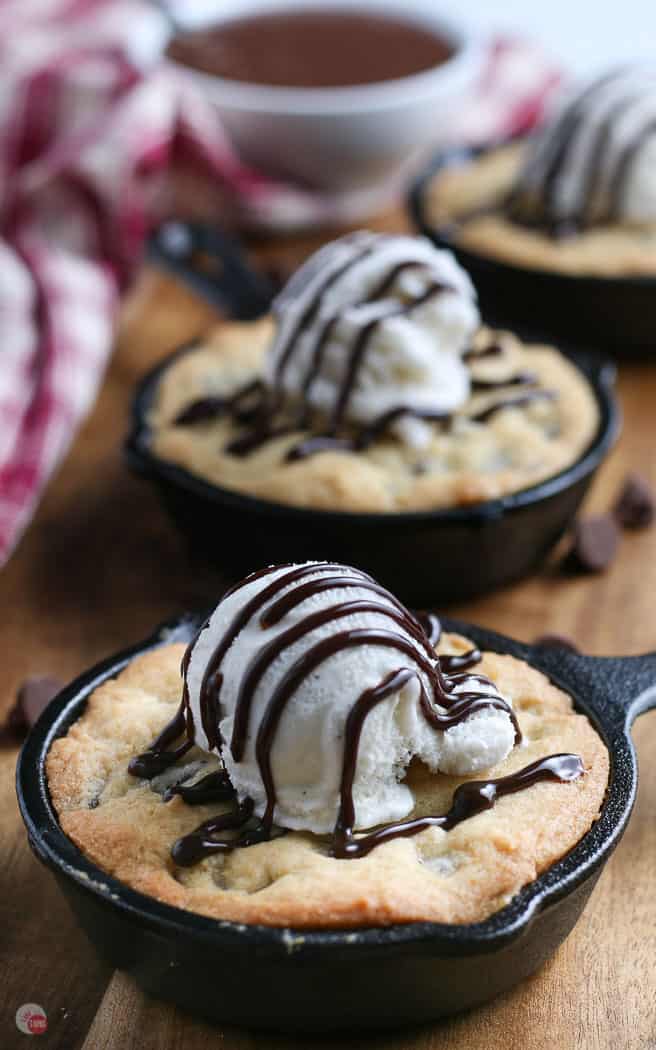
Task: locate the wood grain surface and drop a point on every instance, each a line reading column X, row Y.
column 101, row 565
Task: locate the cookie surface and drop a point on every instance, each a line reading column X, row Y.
column 457, row 876
column 467, row 198
column 465, row 463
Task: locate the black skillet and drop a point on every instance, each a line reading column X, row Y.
column 615, row 315
column 316, row 981
column 212, row 264
column 424, row 556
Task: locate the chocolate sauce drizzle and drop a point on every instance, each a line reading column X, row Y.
column 476, row 353
column 158, row 757
column 513, row 402
column 262, row 410
column 214, row 787
column 242, row 404
column 519, row 379
column 470, row 798
column 431, row 626
column 202, row 843
column 448, row 694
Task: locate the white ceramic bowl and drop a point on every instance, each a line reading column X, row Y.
column 354, row 143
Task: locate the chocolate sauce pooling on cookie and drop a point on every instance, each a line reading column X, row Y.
column 331, row 47
column 412, row 636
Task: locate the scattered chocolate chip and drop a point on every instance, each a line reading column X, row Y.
column 556, row 641
column 594, row 544
column 636, row 503
column 419, row 468
column 31, row 699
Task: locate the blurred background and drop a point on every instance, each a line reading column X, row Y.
column 101, row 142
column 581, row 33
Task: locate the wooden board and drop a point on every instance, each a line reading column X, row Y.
column 101, row 565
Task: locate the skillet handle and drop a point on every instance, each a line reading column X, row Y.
column 213, row 264
column 625, row 686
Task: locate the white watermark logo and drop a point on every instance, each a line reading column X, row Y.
column 31, row 1019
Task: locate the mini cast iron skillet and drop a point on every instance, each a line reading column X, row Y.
column 427, row 556
column 295, row 980
column 423, row 556
column 612, row 314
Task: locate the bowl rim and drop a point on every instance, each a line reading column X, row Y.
column 57, row 851
column 466, row 59
column 445, row 157
column 598, row 371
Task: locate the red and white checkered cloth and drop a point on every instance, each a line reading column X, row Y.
column 89, row 142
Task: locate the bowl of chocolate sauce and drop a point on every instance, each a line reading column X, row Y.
column 341, row 99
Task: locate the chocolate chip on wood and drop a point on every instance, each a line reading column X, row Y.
column 556, row 641
column 32, row 698
column 594, row 543
column 636, row 503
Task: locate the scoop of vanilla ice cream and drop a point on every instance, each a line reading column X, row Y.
column 421, row 307
column 595, row 160
column 308, row 746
